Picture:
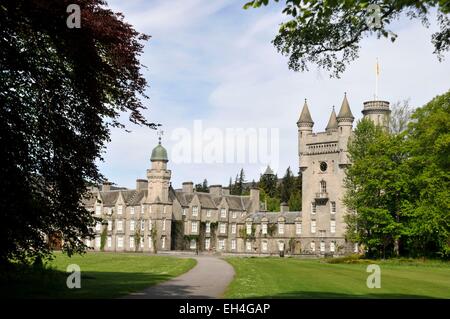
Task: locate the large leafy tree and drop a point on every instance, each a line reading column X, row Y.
column 327, row 33
column 61, row 91
column 429, row 139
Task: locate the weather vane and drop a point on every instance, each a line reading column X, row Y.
column 160, row 134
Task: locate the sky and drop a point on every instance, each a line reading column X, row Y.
column 227, row 100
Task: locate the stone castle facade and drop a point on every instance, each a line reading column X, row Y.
column 156, row 217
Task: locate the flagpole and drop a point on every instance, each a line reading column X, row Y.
column 377, row 71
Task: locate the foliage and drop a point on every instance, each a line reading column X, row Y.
column 398, row 185
column 154, row 236
column 103, row 237
column 137, row 238
column 328, row 33
column 61, row 91
column 400, row 116
column 268, row 183
column 287, row 186
column 202, row 187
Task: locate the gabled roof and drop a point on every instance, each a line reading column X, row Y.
column 137, row 197
column 206, row 200
column 109, row 198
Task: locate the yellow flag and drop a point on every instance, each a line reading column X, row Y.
column 377, row 68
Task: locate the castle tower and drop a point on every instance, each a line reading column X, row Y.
column 332, row 123
column 378, row 112
column 345, row 120
column 305, row 125
column 158, row 176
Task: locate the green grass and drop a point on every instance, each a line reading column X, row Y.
column 296, row 278
column 103, row 275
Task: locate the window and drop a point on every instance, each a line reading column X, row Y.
column 313, row 246
column 119, row 210
column 280, row 228
column 97, row 242
column 313, row 208
column 141, row 242
column 356, row 248
column 164, row 224
column 88, row 242
column 98, row 210
column 150, row 242
column 109, row 225
column 164, row 209
column 313, row 226
column 142, row 209
column 98, row 226
column 322, row 246
column 193, row 244
column 222, row 228
column 281, row 246
column 333, row 226
column 131, row 242
column 195, row 211
column 119, row 225
column 142, row 225
column 233, row 244
column 333, row 207
column 323, row 186
column 323, row 166
column 223, row 213
column 207, row 243
column 131, row 225
column 332, row 247
column 208, row 213
column 109, row 241
column 249, row 229
column 221, row 244
column 150, row 224
column 233, row 214
column 163, row 242
column 208, row 227
column 120, row 242
column 233, row 228
column 248, row 245
column 298, row 228
column 131, row 210
column 264, row 245
column 264, row 229
column 184, row 211
column 194, row 227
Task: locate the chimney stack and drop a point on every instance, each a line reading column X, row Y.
column 215, row 190
column 106, row 187
column 226, row 191
column 254, row 198
column 141, row 184
column 188, row 187
column 284, row 207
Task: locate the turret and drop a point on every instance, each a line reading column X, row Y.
column 158, row 176
column 378, row 112
column 345, row 120
column 332, row 123
column 305, row 125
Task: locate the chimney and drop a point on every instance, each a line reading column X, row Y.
column 226, row 191
column 106, row 187
column 284, row 207
column 254, row 198
column 215, row 190
column 141, row 184
column 188, row 187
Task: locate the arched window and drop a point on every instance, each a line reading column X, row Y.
column 323, row 186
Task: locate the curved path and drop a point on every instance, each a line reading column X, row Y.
column 208, row 279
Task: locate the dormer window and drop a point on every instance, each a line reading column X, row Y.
column 223, row 213
column 208, row 213
column 280, row 228
column 131, row 210
column 119, row 210
column 195, row 211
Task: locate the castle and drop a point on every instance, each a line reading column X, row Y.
column 156, row 217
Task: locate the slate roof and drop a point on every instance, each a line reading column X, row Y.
column 345, row 111
column 273, row 217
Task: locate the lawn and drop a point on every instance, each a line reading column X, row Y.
column 103, row 275
column 297, row 278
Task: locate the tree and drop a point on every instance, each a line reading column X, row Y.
column 377, row 189
column 328, row 33
column 61, row 91
column 400, row 116
column 202, row 187
column 268, row 182
column 287, row 186
column 429, row 210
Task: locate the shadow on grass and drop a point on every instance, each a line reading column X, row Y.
column 49, row 283
column 334, row 295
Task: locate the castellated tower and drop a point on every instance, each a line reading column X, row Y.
column 323, row 158
column 378, row 112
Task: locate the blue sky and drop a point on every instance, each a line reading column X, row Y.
column 213, row 61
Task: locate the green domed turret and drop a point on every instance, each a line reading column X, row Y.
column 159, row 153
